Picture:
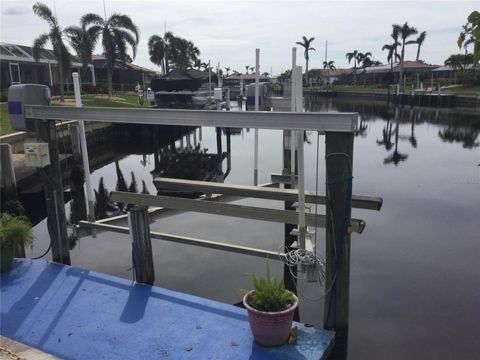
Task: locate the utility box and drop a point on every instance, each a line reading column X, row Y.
column 21, row 95
column 36, row 154
column 263, row 90
column 217, row 93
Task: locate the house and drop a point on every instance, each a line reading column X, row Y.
column 125, row 75
column 18, row 66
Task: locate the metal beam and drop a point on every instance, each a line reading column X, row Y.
column 245, row 250
column 241, row 211
column 323, row 122
column 361, row 202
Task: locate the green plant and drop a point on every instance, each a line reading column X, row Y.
column 15, row 231
column 269, row 294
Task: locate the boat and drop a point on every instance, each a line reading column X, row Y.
column 183, row 89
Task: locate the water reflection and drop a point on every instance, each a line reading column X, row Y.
column 396, row 157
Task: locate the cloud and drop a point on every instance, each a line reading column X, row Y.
column 16, row 10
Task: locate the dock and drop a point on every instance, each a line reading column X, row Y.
column 75, row 313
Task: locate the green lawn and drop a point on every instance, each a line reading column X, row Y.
column 467, row 90
column 126, row 100
column 359, row 87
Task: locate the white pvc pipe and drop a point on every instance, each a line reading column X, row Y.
column 50, row 73
column 83, row 144
column 293, row 109
column 257, row 100
column 301, row 167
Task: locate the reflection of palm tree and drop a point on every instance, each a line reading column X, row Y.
column 121, row 183
column 412, row 138
column 362, row 128
column 396, row 157
column 103, row 204
column 144, row 188
column 387, row 136
column 467, row 136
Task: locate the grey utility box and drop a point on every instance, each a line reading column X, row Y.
column 21, row 95
column 262, row 96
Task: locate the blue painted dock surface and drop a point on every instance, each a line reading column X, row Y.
column 80, row 314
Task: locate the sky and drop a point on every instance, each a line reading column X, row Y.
column 229, row 31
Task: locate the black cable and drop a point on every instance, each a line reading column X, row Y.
column 45, row 253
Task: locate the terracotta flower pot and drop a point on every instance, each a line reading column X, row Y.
column 270, row 328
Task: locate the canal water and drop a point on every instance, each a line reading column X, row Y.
column 415, row 275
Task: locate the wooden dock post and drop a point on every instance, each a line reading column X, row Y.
column 51, row 177
column 339, row 161
column 138, row 223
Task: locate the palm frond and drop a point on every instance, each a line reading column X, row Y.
column 43, row 11
column 124, row 21
column 38, row 44
column 92, row 19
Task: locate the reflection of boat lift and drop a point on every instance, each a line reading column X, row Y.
column 190, row 162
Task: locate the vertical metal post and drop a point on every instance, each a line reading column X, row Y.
column 257, row 103
column 301, row 166
column 293, row 106
column 83, row 143
column 142, row 256
column 339, row 162
column 219, row 140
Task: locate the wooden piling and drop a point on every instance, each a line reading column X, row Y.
column 339, row 161
column 141, row 245
column 52, row 184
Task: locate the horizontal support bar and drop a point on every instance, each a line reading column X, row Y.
column 282, row 178
column 361, row 202
column 324, row 122
column 245, row 250
column 215, row 208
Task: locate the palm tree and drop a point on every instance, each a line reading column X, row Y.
column 227, row 69
column 404, row 32
column 306, row 45
column 55, row 37
column 394, row 35
column 420, row 41
column 83, row 43
column 365, row 60
column 353, row 55
column 157, row 51
column 117, row 31
column 246, row 68
column 329, row 65
column 392, row 56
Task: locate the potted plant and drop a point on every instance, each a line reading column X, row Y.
column 15, row 233
column 270, row 310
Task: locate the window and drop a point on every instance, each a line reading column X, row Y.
column 15, row 73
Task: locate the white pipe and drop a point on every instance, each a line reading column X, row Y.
column 94, row 82
column 50, row 73
column 301, row 167
column 83, row 144
column 257, row 101
column 293, row 108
